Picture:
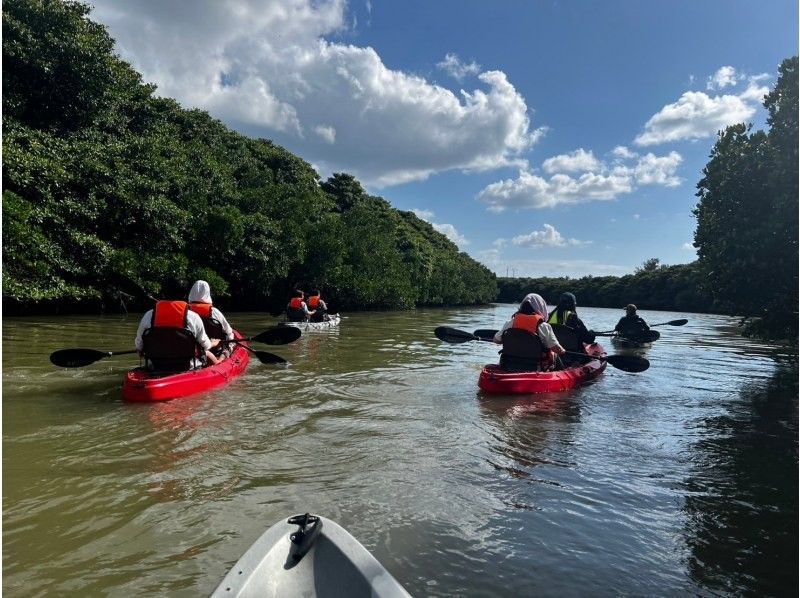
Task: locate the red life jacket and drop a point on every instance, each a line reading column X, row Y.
column 296, row 303
column 527, row 322
column 201, row 309
column 313, row 302
column 170, row 314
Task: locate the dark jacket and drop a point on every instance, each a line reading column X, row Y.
column 631, row 325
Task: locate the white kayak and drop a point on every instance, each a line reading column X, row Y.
column 331, row 321
column 309, row 556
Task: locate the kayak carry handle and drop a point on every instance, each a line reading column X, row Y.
column 303, row 539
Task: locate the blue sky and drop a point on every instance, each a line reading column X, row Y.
column 544, row 138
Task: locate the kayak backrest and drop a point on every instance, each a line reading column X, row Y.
column 213, row 328
column 522, row 351
column 169, row 349
column 567, row 338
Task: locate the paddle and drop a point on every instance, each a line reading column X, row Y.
column 680, row 322
column 264, row 356
column 280, row 335
column 626, row 363
column 77, row 358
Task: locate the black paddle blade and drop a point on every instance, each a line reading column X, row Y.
column 628, row 363
column 680, row 322
column 485, row 333
column 268, row 358
column 453, row 335
column 281, row 335
column 76, row 358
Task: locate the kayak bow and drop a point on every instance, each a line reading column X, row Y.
column 310, row 556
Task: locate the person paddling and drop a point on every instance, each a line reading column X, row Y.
column 317, row 307
column 631, row 324
column 214, row 322
column 531, row 317
column 566, row 314
column 297, row 310
column 171, row 337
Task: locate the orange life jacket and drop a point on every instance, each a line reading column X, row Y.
column 170, row 314
column 296, row 303
column 201, row 309
column 313, row 302
column 527, row 322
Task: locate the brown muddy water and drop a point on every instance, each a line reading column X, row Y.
column 678, row 480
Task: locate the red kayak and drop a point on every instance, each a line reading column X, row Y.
column 496, row 381
column 142, row 385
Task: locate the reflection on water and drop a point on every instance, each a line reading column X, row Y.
column 741, row 494
column 678, row 480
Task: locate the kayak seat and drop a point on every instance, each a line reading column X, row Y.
column 213, row 328
column 522, row 351
column 568, row 338
column 319, row 316
column 295, row 315
column 169, row 349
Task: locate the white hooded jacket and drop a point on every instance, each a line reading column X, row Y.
column 201, row 293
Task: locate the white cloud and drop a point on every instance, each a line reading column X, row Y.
column 689, row 247
column 530, row 190
column 697, row 115
column 726, row 76
column 327, row 133
column 266, row 68
column 578, row 161
column 636, row 216
column 623, row 153
column 548, row 237
column 655, row 170
column 448, row 230
column 458, row 70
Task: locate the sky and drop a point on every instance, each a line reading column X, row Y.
column 543, row 137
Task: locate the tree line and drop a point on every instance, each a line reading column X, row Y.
column 113, row 196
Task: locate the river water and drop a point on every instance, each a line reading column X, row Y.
column 678, row 480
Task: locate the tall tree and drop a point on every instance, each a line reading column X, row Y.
column 747, row 214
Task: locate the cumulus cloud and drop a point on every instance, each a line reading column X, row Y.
column 726, row 76
column 623, row 153
column 448, row 230
column 269, row 69
column 689, row 247
column 697, row 115
column 578, row 161
column 548, row 237
column 604, row 183
column 453, row 66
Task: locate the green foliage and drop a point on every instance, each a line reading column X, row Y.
column 673, row 288
column 748, row 213
column 111, row 193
